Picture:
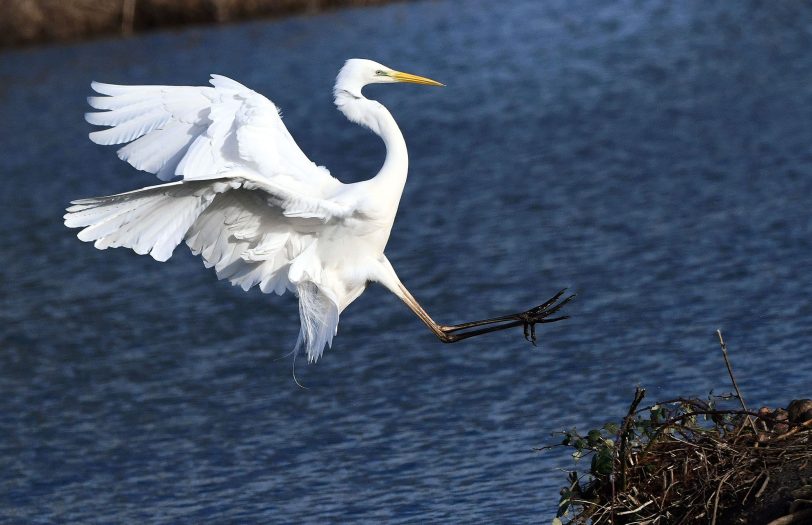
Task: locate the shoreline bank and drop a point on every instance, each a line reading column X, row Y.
column 30, row 22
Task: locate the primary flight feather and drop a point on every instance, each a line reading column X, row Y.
column 251, row 203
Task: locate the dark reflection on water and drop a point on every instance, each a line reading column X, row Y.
column 656, row 158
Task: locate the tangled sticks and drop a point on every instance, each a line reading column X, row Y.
column 686, row 461
column 691, row 460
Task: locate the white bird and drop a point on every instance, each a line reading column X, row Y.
column 253, row 206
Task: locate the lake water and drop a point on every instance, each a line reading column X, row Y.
column 655, row 157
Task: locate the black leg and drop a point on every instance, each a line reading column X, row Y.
column 527, row 319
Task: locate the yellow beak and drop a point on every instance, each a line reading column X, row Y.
column 414, row 79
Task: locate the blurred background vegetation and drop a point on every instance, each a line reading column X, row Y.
column 34, row 21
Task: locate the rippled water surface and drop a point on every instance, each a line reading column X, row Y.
column 654, row 157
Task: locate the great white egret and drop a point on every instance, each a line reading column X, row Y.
column 254, row 206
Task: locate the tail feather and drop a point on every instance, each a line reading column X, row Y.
column 319, row 317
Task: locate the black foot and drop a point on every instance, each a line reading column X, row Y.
column 542, row 313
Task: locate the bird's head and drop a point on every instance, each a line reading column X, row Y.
column 358, row 72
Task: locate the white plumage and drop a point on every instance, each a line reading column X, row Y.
column 251, row 204
column 249, row 201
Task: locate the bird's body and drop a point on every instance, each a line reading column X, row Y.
column 250, row 202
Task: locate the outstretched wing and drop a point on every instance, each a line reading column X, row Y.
column 204, row 132
column 237, row 225
column 250, row 202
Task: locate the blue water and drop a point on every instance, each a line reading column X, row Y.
column 656, row 157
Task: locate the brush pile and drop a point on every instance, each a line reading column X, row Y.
column 688, row 461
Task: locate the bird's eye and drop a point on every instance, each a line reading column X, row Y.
column 380, row 73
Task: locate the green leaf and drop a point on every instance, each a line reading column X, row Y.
column 602, row 462
column 594, row 438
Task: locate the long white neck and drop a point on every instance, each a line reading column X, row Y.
column 373, row 115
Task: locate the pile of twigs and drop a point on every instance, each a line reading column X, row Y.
column 693, row 461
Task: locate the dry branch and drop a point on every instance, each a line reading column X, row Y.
column 691, row 460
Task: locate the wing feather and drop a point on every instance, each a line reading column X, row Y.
column 161, row 151
column 204, row 132
column 152, row 220
column 131, row 129
column 250, row 202
column 121, row 115
column 228, row 222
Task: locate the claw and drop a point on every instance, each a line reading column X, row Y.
column 542, row 313
column 545, row 310
column 527, row 320
column 529, row 330
column 550, row 301
column 560, row 304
